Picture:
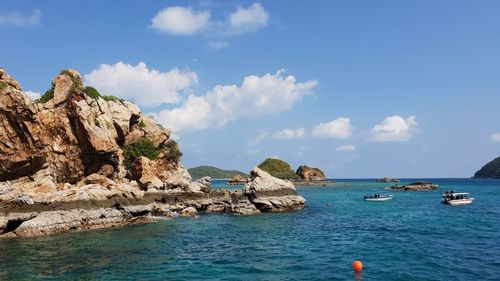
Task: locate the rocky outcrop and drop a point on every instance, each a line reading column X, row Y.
column 387, row 179
column 75, row 161
column 270, row 194
column 310, row 174
column 419, row 185
column 237, row 180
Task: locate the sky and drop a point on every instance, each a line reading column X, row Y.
column 360, row 89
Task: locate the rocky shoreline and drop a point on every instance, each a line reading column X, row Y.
column 74, row 160
column 98, row 205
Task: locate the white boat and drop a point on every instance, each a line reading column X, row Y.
column 378, row 198
column 456, row 198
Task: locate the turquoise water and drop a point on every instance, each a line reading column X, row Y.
column 413, row 237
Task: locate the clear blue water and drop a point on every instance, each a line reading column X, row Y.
column 413, row 237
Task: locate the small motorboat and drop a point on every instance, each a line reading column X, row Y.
column 378, row 198
column 456, row 198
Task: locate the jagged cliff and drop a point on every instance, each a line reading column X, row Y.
column 75, row 160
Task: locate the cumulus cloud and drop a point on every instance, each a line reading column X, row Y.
column 259, row 138
column 339, row 128
column 346, row 148
column 495, row 137
column 269, row 94
column 181, row 21
column 32, row 95
column 395, row 128
column 187, row 21
column 286, row 134
column 146, row 87
column 248, row 19
column 19, row 20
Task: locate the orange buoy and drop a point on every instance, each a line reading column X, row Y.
column 357, row 266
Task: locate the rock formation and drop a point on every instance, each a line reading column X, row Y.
column 270, row 194
column 419, row 185
column 237, row 180
column 310, row 174
column 74, row 160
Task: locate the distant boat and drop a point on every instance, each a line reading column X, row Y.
column 456, row 198
column 378, row 198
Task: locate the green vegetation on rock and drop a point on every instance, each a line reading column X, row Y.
column 490, row 170
column 172, row 151
column 3, row 85
column 141, row 124
column 49, row 94
column 110, row 98
column 213, row 172
column 278, row 168
column 143, row 147
column 92, row 92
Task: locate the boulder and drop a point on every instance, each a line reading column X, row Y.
column 270, row 194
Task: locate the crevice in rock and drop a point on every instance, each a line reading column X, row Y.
column 120, row 139
column 134, row 119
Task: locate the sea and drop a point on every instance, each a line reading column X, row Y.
column 412, row 237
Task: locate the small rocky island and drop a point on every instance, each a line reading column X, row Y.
column 304, row 175
column 76, row 160
column 489, row 171
column 419, row 185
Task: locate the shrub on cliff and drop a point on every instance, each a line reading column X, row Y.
column 49, row 94
column 92, row 92
column 172, row 151
column 144, row 147
column 278, row 168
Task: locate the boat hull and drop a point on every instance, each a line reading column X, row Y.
column 458, row 202
column 379, row 199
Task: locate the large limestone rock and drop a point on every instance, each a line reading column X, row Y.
column 270, row 194
column 73, row 135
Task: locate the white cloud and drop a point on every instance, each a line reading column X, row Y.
column 495, row 137
column 146, row 87
column 248, row 19
column 339, row 128
column 346, row 148
column 32, row 95
column 269, row 94
column 187, row 21
column 289, row 134
column 19, row 20
column 395, row 128
column 181, row 21
column 217, row 45
column 259, row 138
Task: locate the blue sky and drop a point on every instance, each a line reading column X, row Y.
column 357, row 88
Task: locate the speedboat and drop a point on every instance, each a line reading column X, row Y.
column 456, row 198
column 378, row 198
